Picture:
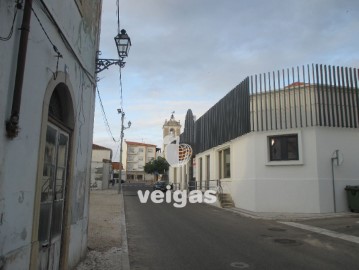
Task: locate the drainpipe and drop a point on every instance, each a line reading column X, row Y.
column 335, row 158
column 333, row 184
column 12, row 125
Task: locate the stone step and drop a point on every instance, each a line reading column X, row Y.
column 227, row 205
column 226, row 200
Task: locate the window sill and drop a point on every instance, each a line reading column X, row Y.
column 285, row 163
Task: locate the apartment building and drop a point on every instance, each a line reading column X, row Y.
column 137, row 155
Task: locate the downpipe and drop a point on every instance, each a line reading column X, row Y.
column 12, row 125
column 336, row 158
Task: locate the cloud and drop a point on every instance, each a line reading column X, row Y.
column 188, row 54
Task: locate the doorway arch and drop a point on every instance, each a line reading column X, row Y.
column 54, row 180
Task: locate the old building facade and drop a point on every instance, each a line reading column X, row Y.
column 101, row 167
column 47, row 96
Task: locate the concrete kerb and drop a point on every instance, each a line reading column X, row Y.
column 285, row 216
column 291, row 216
column 125, row 261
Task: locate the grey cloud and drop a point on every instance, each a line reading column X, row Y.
column 204, row 48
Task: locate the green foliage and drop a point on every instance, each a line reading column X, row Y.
column 159, row 165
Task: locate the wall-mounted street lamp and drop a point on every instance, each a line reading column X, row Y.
column 123, row 44
column 120, row 111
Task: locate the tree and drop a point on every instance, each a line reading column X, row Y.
column 157, row 166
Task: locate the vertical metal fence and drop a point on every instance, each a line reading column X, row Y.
column 305, row 96
column 316, row 95
column 226, row 120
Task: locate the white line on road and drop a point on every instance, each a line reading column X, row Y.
column 342, row 236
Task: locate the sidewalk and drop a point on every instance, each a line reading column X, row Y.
column 107, row 240
column 290, row 216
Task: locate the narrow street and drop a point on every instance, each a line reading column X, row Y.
column 200, row 236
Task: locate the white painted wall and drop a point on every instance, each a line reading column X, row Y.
column 329, row 140
column 297, row 187
column 100, row 155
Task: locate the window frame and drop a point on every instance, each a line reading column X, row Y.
column 298, row 161
column 208, row 167
column 222, row 163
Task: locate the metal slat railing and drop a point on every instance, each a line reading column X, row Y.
column 311, row 95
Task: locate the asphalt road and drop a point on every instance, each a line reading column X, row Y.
column 200, row 236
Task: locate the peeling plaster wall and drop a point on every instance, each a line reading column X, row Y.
column 19, row 157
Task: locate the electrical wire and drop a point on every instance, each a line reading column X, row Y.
column 58, row 54
column 48, row 38
column 8, row 37
column 46, row 11
column 88, row 74
column 105, row 117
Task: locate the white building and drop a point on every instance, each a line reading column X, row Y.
column 277, row 145
column 170, row 127
column 47, row 99
column 137, row 155
column 101, row 167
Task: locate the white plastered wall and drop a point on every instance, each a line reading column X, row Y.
column 303, row 186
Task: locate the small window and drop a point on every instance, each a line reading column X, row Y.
column 208, row 172
column 283, row 147
column 224, row 166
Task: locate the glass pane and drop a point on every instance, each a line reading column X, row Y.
column 220, row 164
column 275, row 148
column 59, row 185
column 49, row 164
column 61, row 167
column 208, row 168
column 44, row 224
column 293, row 148
column 283, row 147
column 227, row 163
column 62, row 151
column 57, row 218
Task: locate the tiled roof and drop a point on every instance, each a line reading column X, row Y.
column 139, row 144
column 116, row 166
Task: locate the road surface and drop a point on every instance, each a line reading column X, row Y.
column 201, row 236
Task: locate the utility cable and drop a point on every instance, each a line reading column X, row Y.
column 66, row 42
column 105, row 117
column 43, row 29
column 8, row 37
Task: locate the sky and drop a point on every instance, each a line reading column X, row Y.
column 188, row 54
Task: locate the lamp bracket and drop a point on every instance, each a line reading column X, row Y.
column 102, row 64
